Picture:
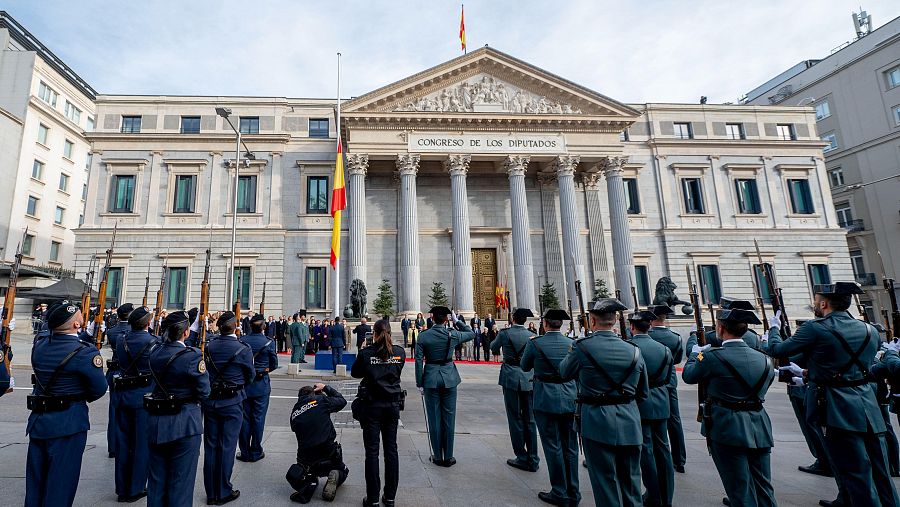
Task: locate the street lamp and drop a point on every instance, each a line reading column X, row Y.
column 225, row 112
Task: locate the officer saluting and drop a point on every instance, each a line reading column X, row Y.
column 230, row 364
column 517, row 391
column 437, row 378
column 174, row 424
column 554, row 409
column 113, row 335
column 839, row 395
column 660, row 332
column 256, row 405
column 68, row 373
column 612, row 378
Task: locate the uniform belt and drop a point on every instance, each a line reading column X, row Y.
column 112, row 364
column 131, row 382
column 40, row 403
column 605, row 399
column 262, row 374
column 512, row 362
column 165, row 405
column 224, row 391
column 739, row 406
column 841, row 382
column 441, row 362
column 550, row 379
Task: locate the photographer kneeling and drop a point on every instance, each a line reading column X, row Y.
column 318, row 454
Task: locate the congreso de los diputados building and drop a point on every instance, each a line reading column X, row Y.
column 480, row 172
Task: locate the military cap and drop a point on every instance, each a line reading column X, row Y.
column 226, row 318
column 661, row 310
column 52, row 306
column 137, row 314
column 838, row 289
column 175, row 318
column 301, row 313
column 557, row 315
column 60, row 314
column 522, row 313
column 727, row 303
column 257, row 318
column 192, row 313
column 607, row 305
column 440, row 310
column 738, row 315
column 642, row 316
column 125, row 310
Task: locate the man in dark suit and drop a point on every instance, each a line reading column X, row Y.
column 405, row 324
column 280, row 333
column 488, row 335
column 336, row 340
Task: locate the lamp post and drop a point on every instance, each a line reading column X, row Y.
column 225, row 112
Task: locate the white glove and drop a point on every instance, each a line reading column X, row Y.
column 696, row 349
column 90, row 329
column 12, row 324
column 764, row 338
column 895, row 346
column 103, row 327
column 775, row 320
column 797, row 381
column 694, row 328
column 880, row 354
column 195, row 326
column 793, row 368
column 421, row 390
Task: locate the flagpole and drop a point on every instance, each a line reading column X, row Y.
column 337, row 264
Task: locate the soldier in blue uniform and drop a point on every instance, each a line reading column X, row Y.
column 554, row 409
column 174, row 424
column 660, row 332
column 437, row 378
column 518, row 396
column 657, row 471
column 265, row 360
column 131, row 383
column 612, row 379
column 113, row 335
column 230, row 364
column 840, row 350
column 68, row 374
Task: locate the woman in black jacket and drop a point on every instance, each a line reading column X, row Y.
column 377, row 408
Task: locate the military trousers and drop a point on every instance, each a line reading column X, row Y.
column 522, row 428
column 337, row 354
column 297, row 350
column 53, row 469
column 132, row 450
column 861, row 466
column 221, row 427
column 890, row 438
column 673, row 426
column 173, row 470
column 812, row 433
column 560, row 442
column 615, row 472
column 746, row 474
column 440, row 408
column 111, row 420
column 252, row 427
column 657, row 470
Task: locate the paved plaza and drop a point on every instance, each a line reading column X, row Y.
column 481, row 476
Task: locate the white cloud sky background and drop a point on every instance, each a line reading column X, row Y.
column 633, row 51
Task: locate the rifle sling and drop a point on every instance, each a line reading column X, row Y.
column 618, row 386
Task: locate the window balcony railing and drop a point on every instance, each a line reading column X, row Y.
column 866, row 279
column 853, row 225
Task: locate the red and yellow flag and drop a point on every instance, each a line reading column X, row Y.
column 462, row 27
column 338, row 204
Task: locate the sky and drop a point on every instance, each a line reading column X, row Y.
column 633, row 51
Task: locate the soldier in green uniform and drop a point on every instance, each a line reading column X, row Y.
column 554, row 409
column 657, row 471
column 437, row 378
column 612, row 379
column 517, row 391
column 735, row 424
column 840, row 397
column 751, row 338
column 660, row 332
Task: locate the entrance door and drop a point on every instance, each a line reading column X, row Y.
column 484, row 280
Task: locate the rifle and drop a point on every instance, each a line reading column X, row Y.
column 712, row 315
column 262, row 302
column 101, row 296
column 204, row 298
column 159, row 292
column 541, row 308
column 777, row 306
column 571, row 318
column 634, row 298
column 861, row 309
column 892, row 295
column 621, row 316
column 889, row 330
column 146, row 286
column 88, row 283
column 9, row 303
column 759, row 300
column 701, row 340
column 582, row 318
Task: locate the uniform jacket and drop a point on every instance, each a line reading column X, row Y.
column 185, row 377
column 610, row 424
column 513, row 341
column 658, row 360
column 672, row 340
column 240, row 371
column 380, row 379
column 405, row 325
column 299, row 332
column 271, row 328
column 114, row 334
column 437, row 344
column 549, row 397
column 750, row 429
column 750, row 338
column 311, row 418
column 847, row 408
column 360, row 332
column 264, row 359
column 133, row 351
column 82, row 376
column 336, row 335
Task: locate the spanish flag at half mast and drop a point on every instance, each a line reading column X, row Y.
column 338, row 204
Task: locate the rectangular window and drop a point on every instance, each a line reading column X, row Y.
column 693, row 196
column 176, row 288
column 250, row 125
column 893, row 77
column 856, row 261
column 819, row 274
column 90, row 124
column 762, row 284
column 84, row 192
column 54, row 251
column 831, row 139
column 632, row 197
column 642, row 285
column 68, row 148
column 131, row 124
column 897, row 115
column 190, row 124
column 623, row 136
column 317, row 195
column 87, row 161
column 246, row 201
column 801, row 198
column 32, row 207
column 47, row 94
column 315, row 287
column 786, row 132
column 242, row 283
column 710, row 285
column 43, row 132
column 28, row 245
column 836, row 177
column 114, row 287
column 318, row 127
column 747, row 197
column 683, row 130
column 734, row 130
column 822, row 110
column 58, row 215
column 185, row 193
column 844, row 214
column 37, row 170
column 64, row 182
column 72, row 112
column 123, row 193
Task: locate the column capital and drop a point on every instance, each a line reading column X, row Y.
column 591, row 181
column 516, row 165
column 565, row 165
column 613, row 165
column 357, row 163
column 457, row 164
column 408, row 163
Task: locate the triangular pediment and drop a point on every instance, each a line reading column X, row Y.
column 488, row 82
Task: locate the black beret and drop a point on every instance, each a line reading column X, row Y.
column 192, row 314
column 642, row 316
column 738, row 315
column 226, row 318
column 523, row 313
column 557, row 315
column 175, row 318
column 125, row 310
column 661, row 310
column 137, row 314
column 440, row 310
column 607, row 305
column 60, row 314
column 727, row 303
column 838, row 289
column 257, row 318
column 301, row 313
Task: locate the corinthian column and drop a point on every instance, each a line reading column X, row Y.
column 408, row 166
column 516, row 166
column 623, row 259
column 357, row 165
column 463, row 301
column 565, row 176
